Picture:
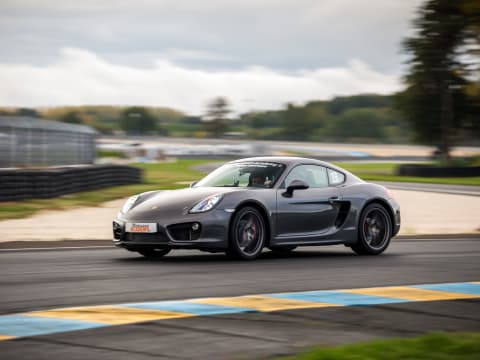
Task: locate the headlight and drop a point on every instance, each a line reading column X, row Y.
column 206, row 204
column 129, row 204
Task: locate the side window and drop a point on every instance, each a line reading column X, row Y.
column 335, row 177
column 315, row 176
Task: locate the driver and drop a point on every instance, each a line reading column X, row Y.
column 259, row 180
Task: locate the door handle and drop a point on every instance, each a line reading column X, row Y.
column 332, row 199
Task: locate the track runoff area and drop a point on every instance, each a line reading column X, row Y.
column 60, row 320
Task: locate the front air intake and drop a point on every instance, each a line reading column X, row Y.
column 185, row 232
column 117, row 231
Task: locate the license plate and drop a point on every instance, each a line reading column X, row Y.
column 141, row 227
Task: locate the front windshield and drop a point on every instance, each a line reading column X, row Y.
column 244, row 174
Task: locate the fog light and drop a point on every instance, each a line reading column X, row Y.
column 195, row 226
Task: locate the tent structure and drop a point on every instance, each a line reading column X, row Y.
column 29, row 141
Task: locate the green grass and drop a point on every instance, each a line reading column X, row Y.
column 111, row 153
column 157, row 176
column 386, row 172
column 437, row 346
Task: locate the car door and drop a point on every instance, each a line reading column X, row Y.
column 308, row 213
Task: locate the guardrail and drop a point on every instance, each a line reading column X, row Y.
column 18, row 184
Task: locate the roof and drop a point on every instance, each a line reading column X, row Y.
column 40, row 124
column 287, row 160
column 293, row 160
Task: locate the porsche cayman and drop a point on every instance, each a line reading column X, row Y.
column 250, row 204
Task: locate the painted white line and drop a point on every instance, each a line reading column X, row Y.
column 60, row 248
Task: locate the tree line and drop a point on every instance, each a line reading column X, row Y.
column 360, row 118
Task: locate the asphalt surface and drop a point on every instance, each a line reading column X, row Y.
column 45, row 279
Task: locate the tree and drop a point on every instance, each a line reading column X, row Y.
column 297, row 123
column 215, row 120
column 137, row 120
column 71, row 117
column 358, row 124
column 471, row 11
column 343, row 103
column 27, row 112
column 262, row 119
column 435, row 101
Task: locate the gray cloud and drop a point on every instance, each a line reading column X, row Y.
column 179, row 53
column 79, row 77
column 285, row 35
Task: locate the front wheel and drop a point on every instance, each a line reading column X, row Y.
column 247, row 234
column 374, row 232
column 154, row 253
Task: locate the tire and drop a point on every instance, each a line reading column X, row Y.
column 283, row 250
column 154, row 253
column 374, row 230
column 247, row 234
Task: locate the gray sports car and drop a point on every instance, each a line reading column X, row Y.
column 248, row 204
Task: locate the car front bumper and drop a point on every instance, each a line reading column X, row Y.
column 177, row 232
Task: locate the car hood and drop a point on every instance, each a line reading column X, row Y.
column 172, row 202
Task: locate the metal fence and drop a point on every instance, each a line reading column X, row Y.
column 26, row 141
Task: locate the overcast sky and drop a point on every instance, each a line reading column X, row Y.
column 260, row 54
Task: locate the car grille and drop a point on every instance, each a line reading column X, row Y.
column 158, row 237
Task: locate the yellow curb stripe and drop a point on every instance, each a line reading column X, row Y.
column 111, row 315
column 262, row 303
column 6, row 337
column 409, row 293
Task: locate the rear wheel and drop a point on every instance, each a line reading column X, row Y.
column 154, row 253
column 375, row 231
column 247, row 234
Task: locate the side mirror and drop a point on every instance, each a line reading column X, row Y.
column 193, row 184
column 295, row 185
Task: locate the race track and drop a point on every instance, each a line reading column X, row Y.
column 35, row 280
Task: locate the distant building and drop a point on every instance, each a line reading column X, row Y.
column 29, row 141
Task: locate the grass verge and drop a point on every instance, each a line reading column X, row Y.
column 157, row 176
column 436, row 346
